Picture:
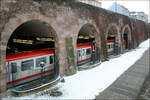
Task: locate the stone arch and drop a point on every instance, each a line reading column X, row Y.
column 108, row 28
column 20, row 19
column 96, row 34
column 127, row 31
column 9, row 28
column 117, row 41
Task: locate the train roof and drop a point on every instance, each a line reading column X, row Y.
column 83, row 46
column 28, row 54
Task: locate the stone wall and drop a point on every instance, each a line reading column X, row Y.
column 66, row 18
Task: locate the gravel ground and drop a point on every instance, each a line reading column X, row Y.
column 145, row 90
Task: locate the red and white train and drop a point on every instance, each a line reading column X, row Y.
column 25, row 66
column 84, row 53
column 111, row 46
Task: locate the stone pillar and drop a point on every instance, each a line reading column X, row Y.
column 2, row 72
column 103, row 51
column 72, row 69
column 120, row 48
column 97, row 54
column 2, row 84
column 118, row 45
column 62, row 57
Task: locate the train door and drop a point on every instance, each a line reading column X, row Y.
column 94, row 53
column 12, row 72
column 79, row 56
column 83, row 53
column 9, row 76
column 112, row 47
column 88, row 52
column 56, row 65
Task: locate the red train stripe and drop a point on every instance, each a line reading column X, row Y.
column 84, row 46
column 29, row 54
column 83, row 60
column 24, row 78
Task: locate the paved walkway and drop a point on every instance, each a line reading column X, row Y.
column 128, row 85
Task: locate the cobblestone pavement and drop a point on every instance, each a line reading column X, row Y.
column 145, row 90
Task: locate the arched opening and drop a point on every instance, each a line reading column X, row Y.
column 88, row 51
column 112, row 41
column 126, row 38
column 30, row 56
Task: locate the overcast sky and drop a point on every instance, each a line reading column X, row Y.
column 132, row 5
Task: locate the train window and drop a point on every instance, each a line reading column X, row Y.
column 88, row 51
column 79, row 53
column 83, row 52
column 7, row 68
column 13, row 67
column 39, row 60
column 26, row 65
column 108, row 46
column 111, row 45
column 51, row 59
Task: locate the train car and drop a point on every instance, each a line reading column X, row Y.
column 110, row 47
column 24, row 67
column 84, row 53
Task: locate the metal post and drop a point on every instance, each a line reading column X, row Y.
column 56, row 65
column 42, row 64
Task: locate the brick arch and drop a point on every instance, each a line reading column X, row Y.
column 9, row 28
column 118, row 36
column 108, row 28
column 129, row 33
column 96, row 34
column 19, row 20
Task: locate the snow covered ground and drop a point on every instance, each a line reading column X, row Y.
column 89, row 83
